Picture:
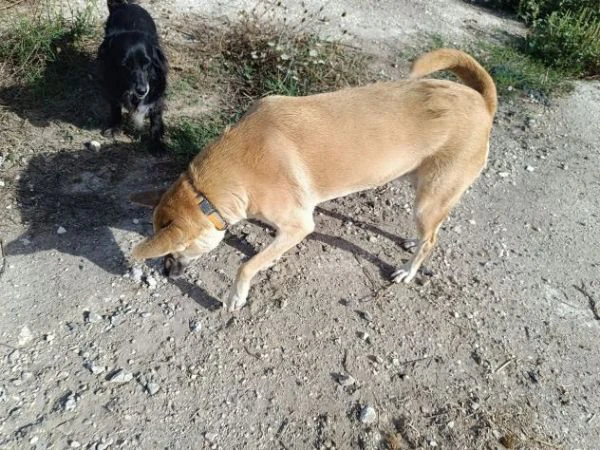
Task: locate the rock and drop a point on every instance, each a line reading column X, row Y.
column 152, row 388
column 529, row 168
column 151, row 281
column 362, row 335
column 136, row 221
column 74, row 444
column 49, row 337
column 368, row 415
column 366, row 315
column 2, row 183
column 503, row 174
column 104, row 444
column 195, row 326
column 346, row 380
column 121, row 376
column 95, row 368
column 25, row 336
column 136, row 274
column 210, row 437
column 92, row 317
column 93, row 146
column 61, row 230
column 69, row 402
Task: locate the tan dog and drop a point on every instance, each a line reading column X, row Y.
column 288, row 154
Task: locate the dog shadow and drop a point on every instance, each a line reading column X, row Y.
column 67, row 90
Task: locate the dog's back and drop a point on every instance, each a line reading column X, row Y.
column 127, row 16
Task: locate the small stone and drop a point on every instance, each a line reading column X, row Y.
column 432, row 444
column 61, row 230
column 2, row 184
column 136, row 221
column 121, row 376
column 503, row 174
column 13, row 357
column 34, row 440
column 93, row 146
column 151, row 282
column 363, row 335
column 372, row 238
column 210, row 437
column 49, row 337
column 529, row 168
column 74, row 444
column 91, row 317
column 346, row 380
column 450, row 424
column 70, row 403
column 195, row 326
column 136, row 274
column 368, row 415
column 152, row 388
column 25, row 336
column 104, row 444
column 367, row 316
column 96, row 369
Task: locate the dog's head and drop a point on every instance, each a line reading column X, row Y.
column 182, row 232
column 136, row 63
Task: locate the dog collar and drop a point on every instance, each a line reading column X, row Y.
column 209, row 210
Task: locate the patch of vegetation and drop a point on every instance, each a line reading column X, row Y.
column 564, row 34
column 32, row 43
column 188, row 136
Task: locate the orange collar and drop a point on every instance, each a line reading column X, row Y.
column 209, row 210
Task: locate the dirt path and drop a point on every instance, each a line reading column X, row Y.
column 494, row 347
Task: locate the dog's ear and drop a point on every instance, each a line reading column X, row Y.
column 158, row 58
column 148, row 199
column 162, row 243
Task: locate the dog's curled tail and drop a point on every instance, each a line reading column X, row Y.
column 112, row 3
column 463, row 65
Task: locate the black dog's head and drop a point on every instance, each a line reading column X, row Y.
column 134, row 65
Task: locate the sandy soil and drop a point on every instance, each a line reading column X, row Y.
column 494, row 346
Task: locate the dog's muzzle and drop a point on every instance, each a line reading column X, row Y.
column 142, row 91
column 172, row 267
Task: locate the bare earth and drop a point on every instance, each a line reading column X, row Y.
column 494, row 346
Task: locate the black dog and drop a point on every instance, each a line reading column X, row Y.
column 134, row 69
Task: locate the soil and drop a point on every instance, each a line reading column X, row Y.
column 494, row 346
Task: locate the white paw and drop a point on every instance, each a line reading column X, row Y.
column 403, row 275
column 235, row 302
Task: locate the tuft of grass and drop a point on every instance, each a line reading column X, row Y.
column 188, row 136
column 32, row 43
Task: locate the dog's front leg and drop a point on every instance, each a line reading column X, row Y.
column 116, row 120
column 287, row 237
column 157, row 128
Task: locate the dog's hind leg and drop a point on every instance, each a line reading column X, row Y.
column 289, row 234
column 439, row 187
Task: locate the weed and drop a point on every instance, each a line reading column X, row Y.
column 30, row 44
column 188, row 136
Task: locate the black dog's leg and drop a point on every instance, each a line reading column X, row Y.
column 116, row 120
column 157, row 129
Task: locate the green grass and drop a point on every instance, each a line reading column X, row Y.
column 188, row 136
column 32, row 43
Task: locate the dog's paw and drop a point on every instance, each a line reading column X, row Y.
column 112, row 133
column 235, row 302
column 403, row 274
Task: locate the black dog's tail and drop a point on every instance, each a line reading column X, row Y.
column 112, row 3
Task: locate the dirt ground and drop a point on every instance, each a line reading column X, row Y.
column 495, row 346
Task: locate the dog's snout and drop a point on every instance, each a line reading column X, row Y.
column 141, row 90
column 172, row 267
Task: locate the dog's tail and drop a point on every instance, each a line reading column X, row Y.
column 463, row 65
column 112, row 3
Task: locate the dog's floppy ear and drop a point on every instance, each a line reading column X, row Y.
column 162, row 243
column 148, row 199
column 158, row 58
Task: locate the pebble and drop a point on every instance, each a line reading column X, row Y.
column 368, row 415
column 74, row 444
column 151, row 281
column 529, row 168
column 367, row 316
column 362, row 335
column 70, row 403
column 25, row 336
column 346, row 380
column 96, row 369
column 152, row 388
column 92, row 317
column 93, row 145
column 61, row 230
column 195, row 325
column 136, row 274
column 136, row 221
column 210, row 437
column 2, row 184
column 121, row 376
column 503, row 174
column 104, row 444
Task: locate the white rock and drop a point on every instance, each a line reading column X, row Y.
column 136, row 221
column 136, row 274
column 362, row 335
column 121, row 376
column 2, row 184
column 529, row 168
column 93, row 145
column 96, row 369
column 346, row 380
column 25, row 336
column 92, row 317
column 503, row 174
column 152, row 388
column 74, row 444
column 70, row 403
column 210, row 437
column 61, row 230
column 151, row 281
column 368, row 415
